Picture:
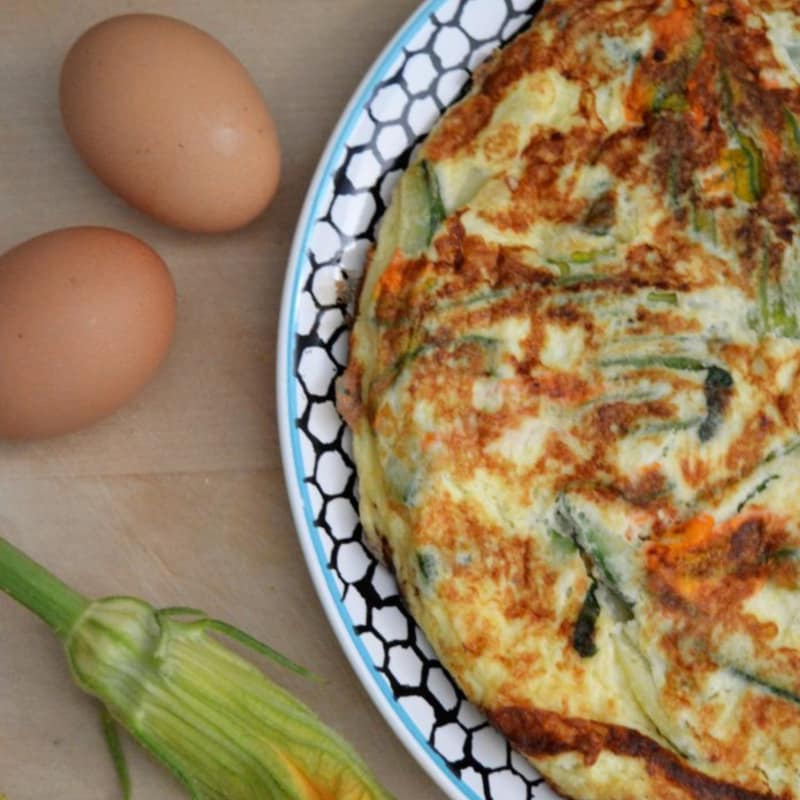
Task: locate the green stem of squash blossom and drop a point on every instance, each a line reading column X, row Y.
column 670, row 298
column 794, row 131
column 218, row 723
column 437, row 212
column 584, row 630
column 114, row 744
column 39, row 591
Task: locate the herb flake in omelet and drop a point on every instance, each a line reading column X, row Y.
column 572, row 388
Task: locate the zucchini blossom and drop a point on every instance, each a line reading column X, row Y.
column 224, row 729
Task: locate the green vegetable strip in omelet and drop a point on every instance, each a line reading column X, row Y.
column 572, row 388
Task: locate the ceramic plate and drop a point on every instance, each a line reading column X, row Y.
column 422, row 71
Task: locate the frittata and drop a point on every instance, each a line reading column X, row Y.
column 572, row 388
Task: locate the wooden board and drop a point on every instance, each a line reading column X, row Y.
column 179, row 497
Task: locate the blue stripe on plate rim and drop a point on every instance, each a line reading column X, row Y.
column 338, row 616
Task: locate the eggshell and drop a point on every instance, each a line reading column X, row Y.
column 86, row 317
column 168, row 118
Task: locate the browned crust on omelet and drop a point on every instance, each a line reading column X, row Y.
column 348, row 395
column 539, row 733
column 698, row 573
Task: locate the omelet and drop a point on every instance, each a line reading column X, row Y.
column 572, row 387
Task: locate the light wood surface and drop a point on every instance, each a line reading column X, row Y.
column 179, row 497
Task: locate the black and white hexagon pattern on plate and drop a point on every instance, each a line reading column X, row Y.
column 424, row 70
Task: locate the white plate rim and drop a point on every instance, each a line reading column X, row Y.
column 338, row 616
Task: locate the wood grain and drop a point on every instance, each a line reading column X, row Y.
column 179, row 497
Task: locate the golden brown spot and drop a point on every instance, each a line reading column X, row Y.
column 396, row 286
column 695, row 470
column 449, row 244
column 612, row 420
column 348, row 394
column 502, row 144
column 748, row 449
column 537, row 194
column 540, row 733
column 645, row 487
column 668, row 322
column 704, row 572
column 564, row 387
column 460, row 127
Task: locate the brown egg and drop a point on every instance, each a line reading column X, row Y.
column 169, row 119
column 86, row 317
